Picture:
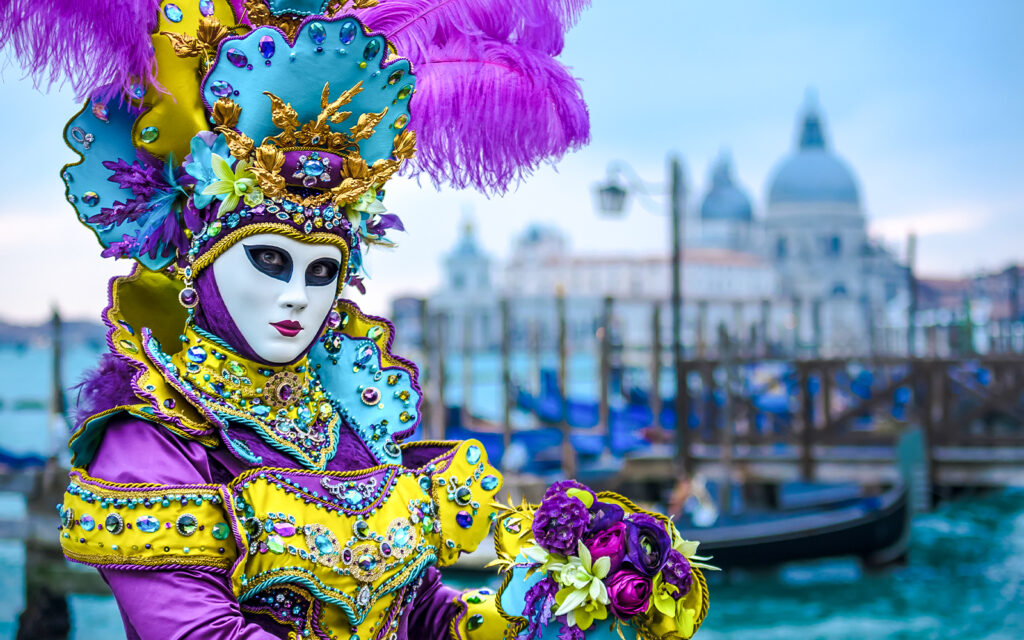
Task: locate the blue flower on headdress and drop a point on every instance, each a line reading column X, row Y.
column 204, row 145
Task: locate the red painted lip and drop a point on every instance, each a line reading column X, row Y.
column 287, row 328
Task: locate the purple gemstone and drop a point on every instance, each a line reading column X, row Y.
column 284, row 529
column 346, row 556
column 188, row 297
column 237, row 58
column 385, row 548
column 169, row 403
column 464, row 519
column 220, row 88
column 333, row 319
column 285, row 392
column 206, row 7
column 371, row 395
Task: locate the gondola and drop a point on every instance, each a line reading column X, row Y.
column 874, row 528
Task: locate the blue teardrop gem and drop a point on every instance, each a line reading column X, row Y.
column 267, row 47
column 317, row 33
column 372, row 49
column 489, row 483
column 173, row 13
column 348, row 32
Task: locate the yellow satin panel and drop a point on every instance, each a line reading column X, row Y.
column 176, row 110
column 478, row 618
column 147, row 525
column 361, row 562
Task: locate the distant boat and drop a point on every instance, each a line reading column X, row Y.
column 875, row 529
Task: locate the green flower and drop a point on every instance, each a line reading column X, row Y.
column 583, row 597
column 663, row 597
column 232, row 186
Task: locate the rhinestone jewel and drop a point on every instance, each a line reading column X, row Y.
column 317, row 33
column 463, row 496
column 323, row 544
column 221, row 531
column 113, row 523
column 90, row 198
column 353, row 497
column 237, row 58
column 473, row 454
column 363, row 598
column 371, row 50
column 206, row 7
column 489, row 483
column 475, row 621
column 370, row 396
column 100, row 111
column 361, row 528
column 284, row 529
column 196, row 354
column 396, row 76
column 186, row 524
column 87, row 522
column 348, row 32
column 267, row 47
column 313, row 167
column 275, row 544
column 147, row 524
column 150, row 134
column 401, row 121
column 464, row 519
column 173, row 13
column 222, row 89
column 405, row 92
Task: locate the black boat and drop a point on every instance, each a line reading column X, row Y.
column 874, row 528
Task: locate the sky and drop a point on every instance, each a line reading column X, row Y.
column 924, row 100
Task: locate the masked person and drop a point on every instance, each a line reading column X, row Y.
column 241, row 463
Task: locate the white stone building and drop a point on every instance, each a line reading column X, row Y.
column 803, row 277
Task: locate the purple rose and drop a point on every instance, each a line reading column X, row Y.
column 610, row 543
column 648, row 544
column 603, row 515
column 559, row 524
column 677, row 572
column 629, row 593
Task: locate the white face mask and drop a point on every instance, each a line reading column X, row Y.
column 278, row 292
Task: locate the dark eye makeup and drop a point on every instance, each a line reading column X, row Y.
column 272, row 261
column 322, row 272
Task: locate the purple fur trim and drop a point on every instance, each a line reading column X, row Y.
column 95, row 45
column 486, row 113
column 107, row 386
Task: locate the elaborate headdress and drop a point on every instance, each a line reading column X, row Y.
column 210, row 120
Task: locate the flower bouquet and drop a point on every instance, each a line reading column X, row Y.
column 594, row 565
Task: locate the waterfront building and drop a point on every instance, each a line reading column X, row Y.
column 797, row 275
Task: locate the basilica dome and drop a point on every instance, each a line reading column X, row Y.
column 725, row 200
column 812, row 174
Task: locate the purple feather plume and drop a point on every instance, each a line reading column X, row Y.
column 416, row 25
column 107, row 386
column 88, row 43
column 487, row 113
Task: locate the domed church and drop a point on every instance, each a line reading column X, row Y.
column 834, row 279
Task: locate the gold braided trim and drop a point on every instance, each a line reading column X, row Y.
column 110, row 489
column 245, row 231
column 217, row 562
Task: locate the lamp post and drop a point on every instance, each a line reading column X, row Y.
column 611, row 199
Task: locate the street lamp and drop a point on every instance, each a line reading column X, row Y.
column 611, row 199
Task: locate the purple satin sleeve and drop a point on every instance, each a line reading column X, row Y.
column 433, row 609
column 179, row 603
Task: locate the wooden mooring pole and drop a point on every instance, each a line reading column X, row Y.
column 568, row 453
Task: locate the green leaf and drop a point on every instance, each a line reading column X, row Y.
column 573, row 599
column 585, row 497
column 219, row 187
